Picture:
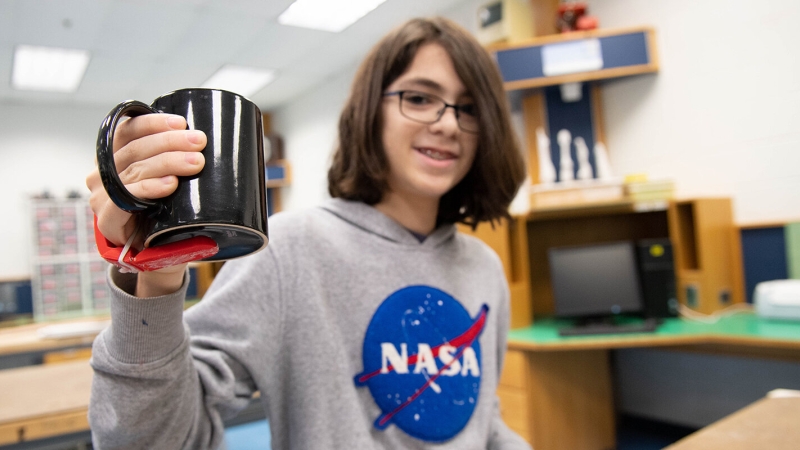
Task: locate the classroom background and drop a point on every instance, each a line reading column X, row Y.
column 719, row 118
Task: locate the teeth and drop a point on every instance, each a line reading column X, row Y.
column 434, row 154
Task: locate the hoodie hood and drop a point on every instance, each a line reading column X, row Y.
column 371, row 220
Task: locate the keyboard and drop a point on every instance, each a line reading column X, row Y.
column 648, row 326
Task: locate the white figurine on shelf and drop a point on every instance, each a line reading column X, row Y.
column 602, row 162
column 584, row 167
column 521, row 205
column 566, row 171
column 547, row 172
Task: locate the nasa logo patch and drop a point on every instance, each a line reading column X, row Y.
column 422, row 362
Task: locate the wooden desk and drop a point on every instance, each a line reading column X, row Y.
column 770, row 423
column 557, row 392
column 43, row 401
column 26, row 338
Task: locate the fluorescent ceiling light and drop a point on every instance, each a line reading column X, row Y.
column 326, row 15
column 48, row 69
column 244, row 81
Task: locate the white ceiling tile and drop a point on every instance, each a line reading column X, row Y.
column 7, row 9
column 58, row 23
column 277, row 46
column 144, row 48
column 6, row 56
column 109, row 77
column 140, row 29
column 216, row 36
column 163, row 78
column 270, row 9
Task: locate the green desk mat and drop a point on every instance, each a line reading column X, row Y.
column 745, row 325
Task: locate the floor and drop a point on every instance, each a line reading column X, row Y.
column 637, row 433
column 249, row 436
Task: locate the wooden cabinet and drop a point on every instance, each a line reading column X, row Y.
column 513, row 394
column 707, row 254
column 708, row 261
column 558, row 400
column 509, row 239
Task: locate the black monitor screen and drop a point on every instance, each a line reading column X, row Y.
column 595, row 280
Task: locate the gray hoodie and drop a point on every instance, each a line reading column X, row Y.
column 356, row 334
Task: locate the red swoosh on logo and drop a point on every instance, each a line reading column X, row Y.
column 464, row 340
column 466, row 337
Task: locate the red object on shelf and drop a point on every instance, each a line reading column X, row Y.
column 587, row 23
column 572, row 17
column 158, row 257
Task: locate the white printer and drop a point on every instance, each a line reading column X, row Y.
column 778, row 299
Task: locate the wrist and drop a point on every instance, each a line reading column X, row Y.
column 160, row 282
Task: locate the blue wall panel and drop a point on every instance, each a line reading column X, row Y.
column 764, row 255
column 573, row 116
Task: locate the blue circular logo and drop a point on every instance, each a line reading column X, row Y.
column 422, row 362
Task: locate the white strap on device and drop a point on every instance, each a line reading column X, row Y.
column 123, row 266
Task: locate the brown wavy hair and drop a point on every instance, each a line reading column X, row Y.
column 360, row 167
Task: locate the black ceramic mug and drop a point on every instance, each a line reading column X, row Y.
column 226, row 201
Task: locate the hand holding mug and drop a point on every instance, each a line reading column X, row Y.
column 222, row 206
column 150, row 153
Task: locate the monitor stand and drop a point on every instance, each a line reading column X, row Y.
column 606, row 325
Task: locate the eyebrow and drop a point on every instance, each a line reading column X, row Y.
column 428, row 83
column 424, row 82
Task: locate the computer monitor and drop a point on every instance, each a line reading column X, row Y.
column 599, row 280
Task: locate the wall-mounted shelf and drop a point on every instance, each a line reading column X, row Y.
column 623, row 206
column 578, row 56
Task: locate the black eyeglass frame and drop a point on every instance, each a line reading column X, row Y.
column 456, row 108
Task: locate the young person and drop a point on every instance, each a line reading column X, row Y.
column 367, row 322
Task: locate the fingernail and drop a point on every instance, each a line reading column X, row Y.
column 195, row 136
column 167, row 179
column 176, row 122
column 192, row 158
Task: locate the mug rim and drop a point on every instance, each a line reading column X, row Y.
column 263, row 236
column 174, row 91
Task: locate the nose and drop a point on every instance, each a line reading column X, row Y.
column 447, row 123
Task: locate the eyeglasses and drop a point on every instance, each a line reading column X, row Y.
column 428, row 108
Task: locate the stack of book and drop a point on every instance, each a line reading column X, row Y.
column 576, row 193
column 649, row 190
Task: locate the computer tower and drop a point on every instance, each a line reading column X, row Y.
column 657, row 276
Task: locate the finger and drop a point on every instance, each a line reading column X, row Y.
column 146, row 125
column 93, row 180
column 114, row 224
column 155, row 144
column 151, row 188
column 162, row 165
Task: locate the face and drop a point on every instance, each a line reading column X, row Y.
column 427, row 160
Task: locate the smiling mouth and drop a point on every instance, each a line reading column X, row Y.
column 435, row 154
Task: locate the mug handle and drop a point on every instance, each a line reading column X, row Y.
column 105, row 158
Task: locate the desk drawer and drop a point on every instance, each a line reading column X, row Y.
column 514, row 410
column 515, row 369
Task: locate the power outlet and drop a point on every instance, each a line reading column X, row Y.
column 692, row 296
column 725, row 297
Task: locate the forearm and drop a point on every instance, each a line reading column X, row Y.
column 145, row 392
column 153, row 405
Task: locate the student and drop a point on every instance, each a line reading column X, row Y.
column 367, row 322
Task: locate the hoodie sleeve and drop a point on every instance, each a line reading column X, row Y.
column 168, row 380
